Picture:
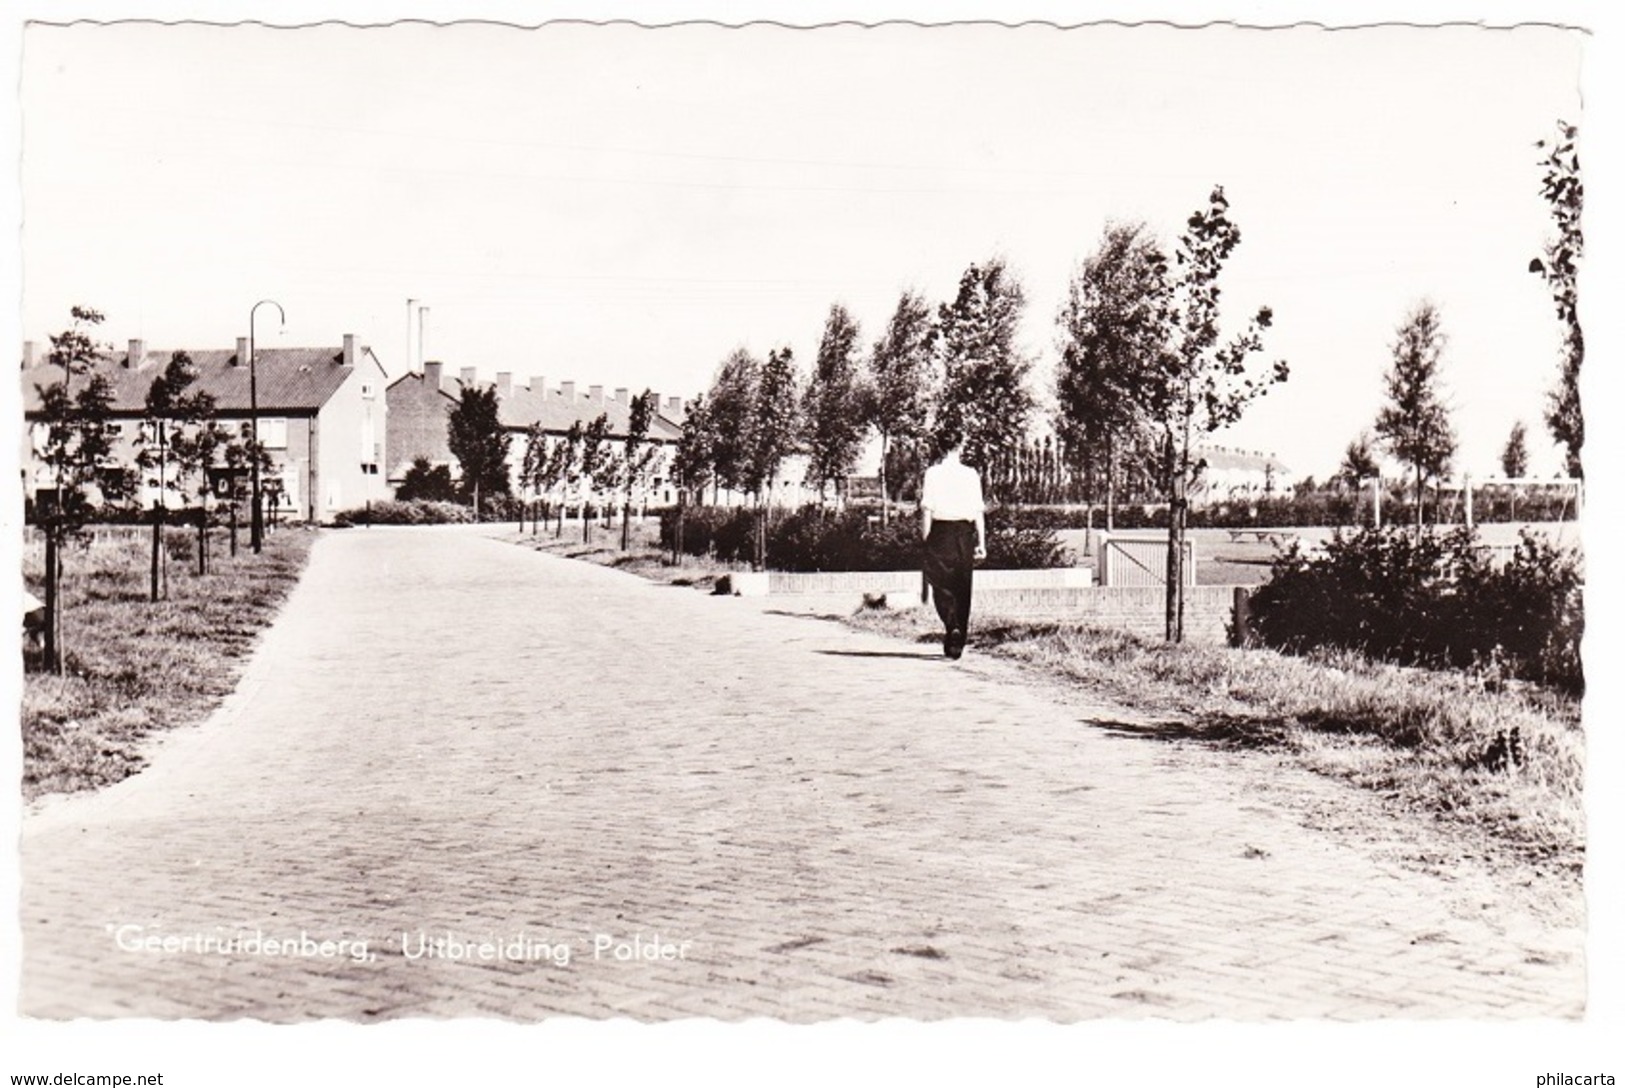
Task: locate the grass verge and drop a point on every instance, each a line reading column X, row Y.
column 132, row 667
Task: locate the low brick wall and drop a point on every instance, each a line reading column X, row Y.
column 1209, row 610
column 893, row 582
column 1139, row 609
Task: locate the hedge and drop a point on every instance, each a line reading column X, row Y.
column 815, row 538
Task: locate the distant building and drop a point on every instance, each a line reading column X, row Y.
column 321, row 414
column 420, row 406
column 1232, row 475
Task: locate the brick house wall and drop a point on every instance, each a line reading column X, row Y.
column 418, row 407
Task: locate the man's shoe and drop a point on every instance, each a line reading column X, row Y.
column 954, row 645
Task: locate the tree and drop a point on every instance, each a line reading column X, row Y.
column 1359, row 462
column 181, row 440
column 531, row 464
column 75, row 443
column 899, row 390
column 1199, row 385
column 477, row 439
column 833, row 405
column 238, row 455
column 424, row 482
column 984, row 398
column 1515, row 455
column 732, row 417
column 562, row 465
column 637, row 457
column 592, row 463
column 773, row 431
column 1563, row 192
column 1415, row 425
column 1114, row 326
column 691, row 464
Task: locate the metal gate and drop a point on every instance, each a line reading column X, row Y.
column 1140, row 561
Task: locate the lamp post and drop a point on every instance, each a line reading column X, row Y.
column 256, row 530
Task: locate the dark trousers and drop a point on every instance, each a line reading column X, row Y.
column 950, row 556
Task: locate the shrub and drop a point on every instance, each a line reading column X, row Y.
column 428, row 483
column 1433, row 599
column 415, row 512
column 1017, row 541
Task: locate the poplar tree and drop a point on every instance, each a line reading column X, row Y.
column 733, row 418
column 1114, row 327
column 773, row 435
column 1415, row 425
column 834, row 418
column 900, row 387
column 984, row 397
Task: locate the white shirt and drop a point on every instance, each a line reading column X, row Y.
column 952, row 492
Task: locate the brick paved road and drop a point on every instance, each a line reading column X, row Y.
column 448, row 734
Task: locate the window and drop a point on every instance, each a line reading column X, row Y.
column 273, row 433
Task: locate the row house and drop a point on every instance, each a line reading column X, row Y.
column 322, row 416
column 420, row 406
column 1230, row 475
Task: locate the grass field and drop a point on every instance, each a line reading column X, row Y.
column 134, row 668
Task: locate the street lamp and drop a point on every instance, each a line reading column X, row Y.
column 256, row 529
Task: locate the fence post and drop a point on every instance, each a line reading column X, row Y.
column 1242, row 615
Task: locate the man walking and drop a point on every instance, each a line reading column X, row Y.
column 952, row 520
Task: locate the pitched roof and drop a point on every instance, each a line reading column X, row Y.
column 1223, row 458
column 288, row 379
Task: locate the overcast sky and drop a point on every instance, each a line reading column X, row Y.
column 623, row 206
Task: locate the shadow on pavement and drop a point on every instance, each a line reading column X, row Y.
column 882, row 653
column 1218, row 730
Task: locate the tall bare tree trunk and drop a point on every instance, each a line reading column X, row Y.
column 885, row 489
column 53, row 598
column 1419, row 502
column 1176, row 562
column 157, row 547
column 1111, row 484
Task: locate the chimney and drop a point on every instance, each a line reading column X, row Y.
column 538, row 385
column 28, row 354
column 241, row 358
column 504, row 384
column 349, row 349
column 595, row 394
column 567, row 390
column 138, row 352
column 431, row 374
column 674, row 407
column 469, row 376
column 620, row 395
